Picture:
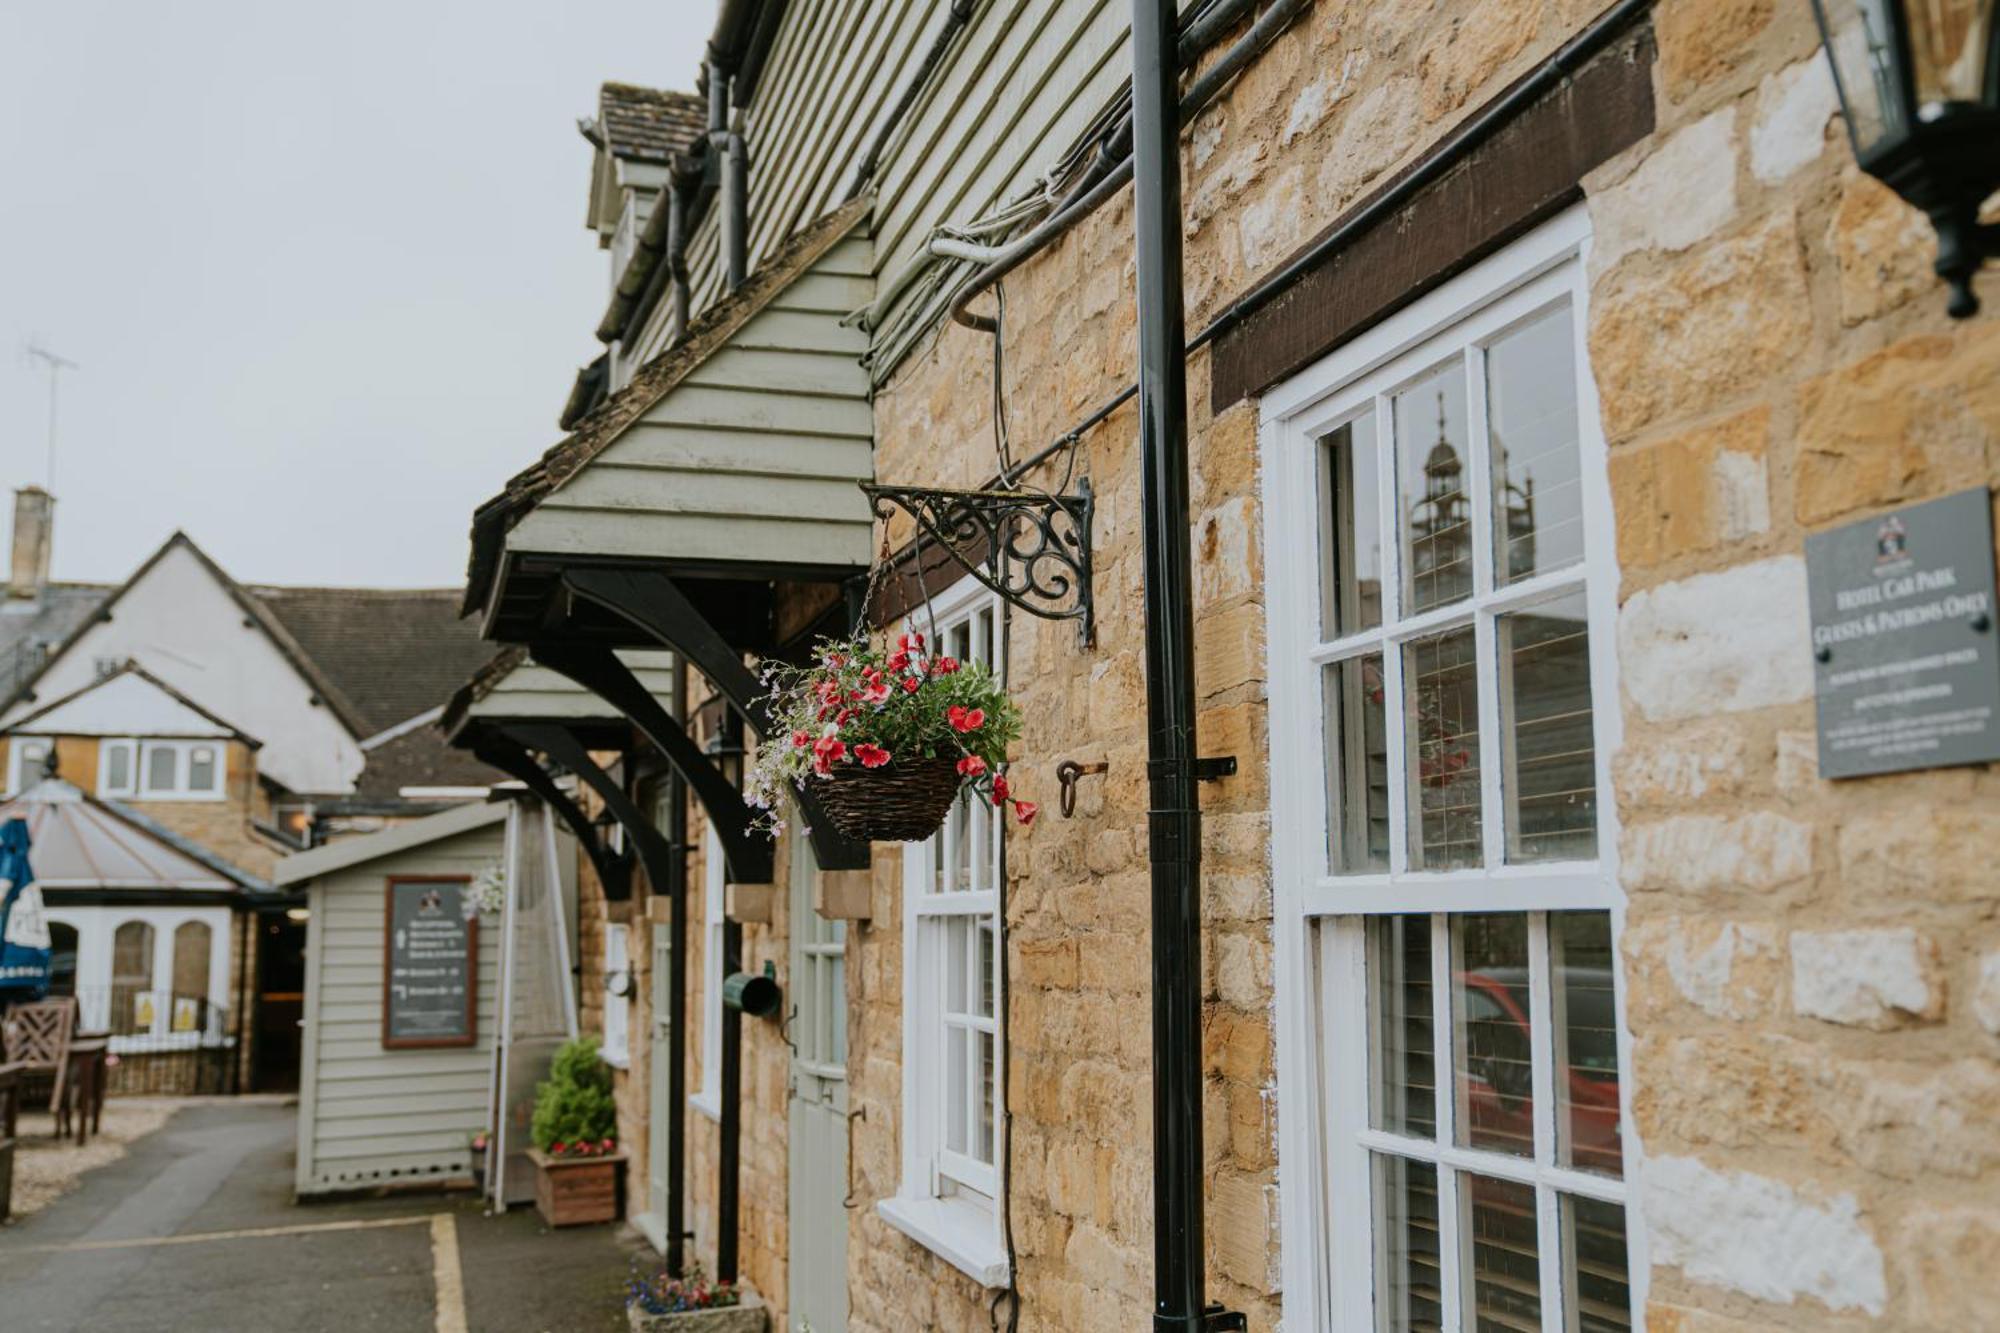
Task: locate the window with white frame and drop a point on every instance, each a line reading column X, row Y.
column 714, row 880
column 953, row 1064
column 616, row 1047
column 1444, row 857
column 26, row 757
column 161, row 770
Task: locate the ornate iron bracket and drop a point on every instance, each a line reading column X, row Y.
column 1036, row 547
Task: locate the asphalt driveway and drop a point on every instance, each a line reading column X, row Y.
column 195, row 1230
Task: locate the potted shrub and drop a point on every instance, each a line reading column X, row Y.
column 886, row 739
column 691, row 1303
column 578, row 1167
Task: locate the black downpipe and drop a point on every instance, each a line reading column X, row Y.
column 727, row 151
column 1174, row 817
column 677, row 271
column 677, row 942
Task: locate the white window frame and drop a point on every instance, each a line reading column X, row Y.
column 935, row 1203
column 714, row 877
column 130, row 749
column 15, row 783
column 616, row 1046
column 183, row 752
column 1325, row 1199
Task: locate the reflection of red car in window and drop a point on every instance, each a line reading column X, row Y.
column 1497, row 1074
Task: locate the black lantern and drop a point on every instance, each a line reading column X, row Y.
column 1919, row 83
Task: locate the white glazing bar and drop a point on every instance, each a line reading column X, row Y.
column 1479, row 471
column 1542, row 1048
column 1450, row 1244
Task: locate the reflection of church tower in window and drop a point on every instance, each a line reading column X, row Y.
column 1440, row 526
column 1517, row 506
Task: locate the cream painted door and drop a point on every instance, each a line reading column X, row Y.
column 818, row 1118
column 661, row 1097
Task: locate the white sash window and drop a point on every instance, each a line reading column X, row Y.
column 1444, row 708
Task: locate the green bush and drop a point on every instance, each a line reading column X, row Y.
column 574, row 1106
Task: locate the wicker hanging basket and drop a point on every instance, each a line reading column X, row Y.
column 903, row 801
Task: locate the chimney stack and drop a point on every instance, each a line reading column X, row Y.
column 34, row 534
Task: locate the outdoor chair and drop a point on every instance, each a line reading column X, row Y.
column 37, row 1036
column 10, row 1110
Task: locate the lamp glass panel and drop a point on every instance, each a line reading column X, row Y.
column 1861, row 40
column 1951, row 48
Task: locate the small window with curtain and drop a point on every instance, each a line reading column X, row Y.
column 27, row 758
column 117, row 767
column 134, row 1007
column 192, row 944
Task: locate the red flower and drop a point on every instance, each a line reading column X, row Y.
column 826, row 753
column 1000, row 788
column 871, row 756
column 965, row 719
column 944, row 666
column 607, row 1145
column 557, row 1146
column 875, row 692
column 911, row 684
column 1025, row 811
column 898, row 660
column 910, row 643
column 971, row 766
column 843, row 717
column 800, row 740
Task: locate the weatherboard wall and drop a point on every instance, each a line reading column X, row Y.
column 370, row 1117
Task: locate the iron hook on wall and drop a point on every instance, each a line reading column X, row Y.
column 1067, row 772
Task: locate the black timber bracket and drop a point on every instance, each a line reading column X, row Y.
column 517, row 761
column 649, row 600
column 556, row 741
column 597, row 669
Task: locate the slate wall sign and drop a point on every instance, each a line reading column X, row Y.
column 430, row 974
column 1906, row 665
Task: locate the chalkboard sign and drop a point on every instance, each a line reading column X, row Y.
column 430, row 979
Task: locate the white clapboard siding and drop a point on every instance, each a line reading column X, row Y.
column 753, row 456
column 369, row 1116
column 1019, row 90
column 534, row 691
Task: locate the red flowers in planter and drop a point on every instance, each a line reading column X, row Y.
column 871, row 756
column 965, row 719
column 972, row 766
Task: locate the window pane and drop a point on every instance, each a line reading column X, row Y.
column 1404, row 1067
column 191, row 948
column 132, row 1005
column 1443, row 710
column 201, row 769
column 837, row 966
column 1505, row 1274
column 985, row 1148
column 118, row 768
column 1537, row 475
column 1350, row 529
column 1357, row 766
column 1410, row 1286
column 1598, row 1295
column 1550, row 774
column 34, row 759
column 1435, row 511
column 985, row 968
column 956, row 976
column 954, row 1088
column 160, row 768
column 1580, row 961
column 1491, row 1053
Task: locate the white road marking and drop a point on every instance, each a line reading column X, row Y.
column 249, row 1233
column 450, row 1282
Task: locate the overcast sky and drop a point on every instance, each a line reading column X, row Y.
column 324, row 265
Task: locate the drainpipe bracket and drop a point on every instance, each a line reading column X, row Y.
column 1215, row 1319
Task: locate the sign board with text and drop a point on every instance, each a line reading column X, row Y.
column 430, row 974
column 1906, row 657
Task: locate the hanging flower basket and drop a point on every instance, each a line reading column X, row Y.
column 886, row 739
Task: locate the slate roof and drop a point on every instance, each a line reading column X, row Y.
column 419, row 757
column 32, row 628
column 648, row 124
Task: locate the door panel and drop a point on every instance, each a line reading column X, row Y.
column 661, row 1097
column 818, row 1113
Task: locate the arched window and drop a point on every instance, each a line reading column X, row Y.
column 62, row 958
column 190, row 998
column 132, row 1003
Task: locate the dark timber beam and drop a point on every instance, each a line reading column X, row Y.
column 514, row 759
column 597, row 669
column 650, row 601
column 555, row 741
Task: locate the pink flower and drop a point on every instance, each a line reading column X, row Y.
column 875, row 692
column 971, row 766
column 826, row 753
column 1025, row 811
column 871, row 756
column 944, row 666
column 911, row 684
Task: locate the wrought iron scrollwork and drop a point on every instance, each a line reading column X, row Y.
column 1036, row 547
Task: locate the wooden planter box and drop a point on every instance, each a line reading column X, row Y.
column 577, row 1191
column 749, row 1317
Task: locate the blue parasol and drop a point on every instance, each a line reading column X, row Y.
column 24, row 926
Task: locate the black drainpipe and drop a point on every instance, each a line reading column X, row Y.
column 727, row 150
column 675, row 1222
column 678, row 193
column 1180, row 1284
